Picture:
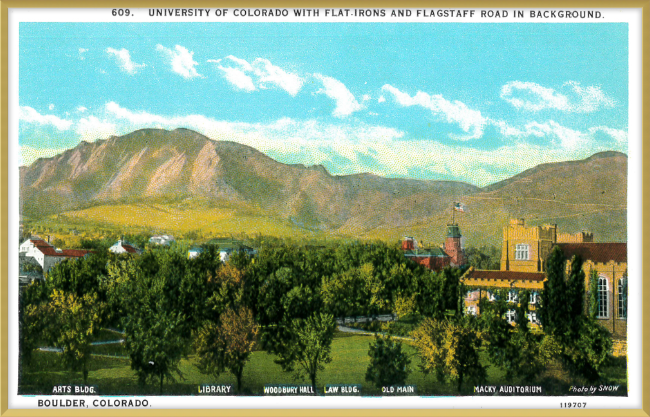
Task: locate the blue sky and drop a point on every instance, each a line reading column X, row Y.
column 470, row 102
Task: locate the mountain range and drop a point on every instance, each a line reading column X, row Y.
column 163, row 168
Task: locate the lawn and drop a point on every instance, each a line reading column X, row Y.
column 113, row 376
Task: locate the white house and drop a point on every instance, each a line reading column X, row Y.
column 124, row 247
column 47, row 255
column 226, row 248
column 165, row 240
column 194, row 252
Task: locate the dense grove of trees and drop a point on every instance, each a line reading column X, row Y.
column 288, row 296
column 286, row 299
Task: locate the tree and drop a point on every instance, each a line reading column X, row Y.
column 576, row 294
column 308, row 349
column 485, row 257
column 515, row 349
column 450, row 350
column 154, row 341
column 227, row 345
column 72, row 322
column 388, row 363
column 404, row 306
column 588, row 352
column 79, row 276
column 553, row 306
column 152, row 314
column 593, row 294
column 227, row 285
column 430, row 297
column 584, row 344
column 562, row 301
column 30, row 318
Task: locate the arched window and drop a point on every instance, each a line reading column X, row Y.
column 603, row 298
column 622, row 298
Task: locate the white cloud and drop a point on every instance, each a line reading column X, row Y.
column 569, row 139
column 381, row 99
column 347, row 147
column 245, row 66
column 470, row 121
column 181, row 60
column 82, row 51
column 346, row 104
column 533, row 97
column 238, row 78
column 29, row 154
column 260, row 74
column 81, row 109
column 51, row 107
column 591, row 98
column 268, row 73
column 91, row 128
column 123, row 59
column 29, row 115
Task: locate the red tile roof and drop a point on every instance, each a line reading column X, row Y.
column 129, row 248
column 39, row 243
column 596, row 252
column 75, row 253
column 505, row 275
column 67, row 253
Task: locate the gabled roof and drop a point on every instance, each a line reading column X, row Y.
column 596, row 252
column 129, row 248
column 504, row 275
column 67, row 253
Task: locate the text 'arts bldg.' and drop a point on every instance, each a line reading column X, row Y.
column 524, row 251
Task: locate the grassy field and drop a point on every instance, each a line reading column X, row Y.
column 174, row 219
column 193, row 222
column 113, row 376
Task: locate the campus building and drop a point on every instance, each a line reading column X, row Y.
column 451, row 253
column 524, row 251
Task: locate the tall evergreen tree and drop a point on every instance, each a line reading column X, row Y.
column 553, row 306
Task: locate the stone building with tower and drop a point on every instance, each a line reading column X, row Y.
column 451, row 253
column 523, row 255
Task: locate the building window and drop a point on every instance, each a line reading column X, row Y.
column 511, row 316
column 512, row 296
column 622, row 298
column 492, row 296
column 521, row 252
column 471, row 310
column 603, row 298
column 472, row 295
column 533, row 298
column 532, row 317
